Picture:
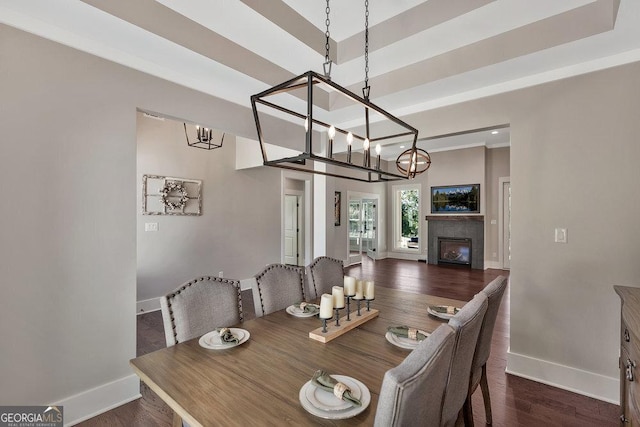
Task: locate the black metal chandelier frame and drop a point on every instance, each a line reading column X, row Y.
column 204, row 138
column 311, row 79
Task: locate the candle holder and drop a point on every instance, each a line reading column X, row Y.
column 349, row 305
column 324, row 325
column 358, row 301
column 369, row 302
column 337, row 316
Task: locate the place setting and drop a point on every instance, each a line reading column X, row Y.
column 224, row 338
column 445, row 312
column 405, row 337
column 303, row 309
column 334, row 397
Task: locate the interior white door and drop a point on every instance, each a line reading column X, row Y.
column 291, row 229
column 369, row 226
column 355, row 231
column 506, row 224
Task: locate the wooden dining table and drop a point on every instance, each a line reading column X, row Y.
column 258, row 382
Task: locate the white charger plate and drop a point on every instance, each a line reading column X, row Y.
column 212, row 340
column 440, row 315
column 325, row 405
column 403, row 342
column 298, row 312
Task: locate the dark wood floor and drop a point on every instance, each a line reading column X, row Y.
column 515, row 401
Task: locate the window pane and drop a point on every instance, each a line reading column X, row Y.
column 410, row 218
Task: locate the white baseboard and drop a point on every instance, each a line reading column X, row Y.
column 148, row 305
column 95, row 401
column 565, row 377
column 407, row 256
column 492, row 264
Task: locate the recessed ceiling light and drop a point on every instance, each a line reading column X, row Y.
column 402, row 146
column 494, row 132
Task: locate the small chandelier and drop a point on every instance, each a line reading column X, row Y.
column 413, row 161
column 347, row 152
column 204, row 138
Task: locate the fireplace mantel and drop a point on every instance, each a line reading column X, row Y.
column 454, row 218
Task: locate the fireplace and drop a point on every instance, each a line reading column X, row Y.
column 456, row 228
column 453, row 250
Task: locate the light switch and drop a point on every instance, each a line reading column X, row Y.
column 561, row 235
column 151, row 226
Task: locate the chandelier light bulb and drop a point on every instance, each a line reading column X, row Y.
column 365, row 144
column 306, row 124
column 378, row 149
column 349, row 138
column 332, row 132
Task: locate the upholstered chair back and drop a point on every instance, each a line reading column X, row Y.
column 412, row 392
column 200, row 306
column 467, row 324
column 324, row 273
column 276, row 287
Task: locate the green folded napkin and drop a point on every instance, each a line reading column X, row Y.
column 226, row 336
column 403, row 331
column 444, row 309
column 324, row 381
column 307, row 307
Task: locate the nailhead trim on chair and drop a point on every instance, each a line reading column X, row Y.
column 313, row 264
column 299, row 270
column 235, row 283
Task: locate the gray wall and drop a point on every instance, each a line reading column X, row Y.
column 497, row 166
column 240, row 222
column 574, row 158
column 68, row 227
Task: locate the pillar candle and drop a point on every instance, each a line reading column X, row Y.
column 326, row 306
column 349, row 285
column 359, row 290
column 369, row 290
column 338, row 297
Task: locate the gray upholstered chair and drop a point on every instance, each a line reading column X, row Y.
column 199, row 306
column 412, row 392
column 467, row 324
column 494, row 292
column 324, row 273
column 277, row 287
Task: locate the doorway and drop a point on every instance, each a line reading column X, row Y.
column 504, row 216
column 363, row 227
column 293, row 238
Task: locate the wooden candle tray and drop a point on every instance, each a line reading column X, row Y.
column 334, row 331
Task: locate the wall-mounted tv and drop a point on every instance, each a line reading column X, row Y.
column 455, row 199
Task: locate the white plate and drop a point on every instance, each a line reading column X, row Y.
column 435, row 313
column 403, row 342
column 212, row 340
column 332, row 402
column 298, row 312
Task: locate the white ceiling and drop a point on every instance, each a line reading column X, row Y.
column 423, row 54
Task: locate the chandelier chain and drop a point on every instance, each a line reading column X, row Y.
column 327, row 34
column 366, row 43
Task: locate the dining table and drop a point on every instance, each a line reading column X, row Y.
column 259, row 382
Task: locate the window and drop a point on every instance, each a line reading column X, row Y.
column 406, row 217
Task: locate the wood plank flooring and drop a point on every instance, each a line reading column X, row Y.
column 515, row 401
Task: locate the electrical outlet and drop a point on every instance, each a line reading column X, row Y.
column 220, row 274
column 151, row 226
column 494, row 222
column 561, row 235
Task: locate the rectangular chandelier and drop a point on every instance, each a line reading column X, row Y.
column 311, row 119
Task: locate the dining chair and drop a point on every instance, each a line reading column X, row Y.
column 276, row 287
column 494, row 292
column 200, row 306
column 467, row 324
column 324, row 273
column 412, row 392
